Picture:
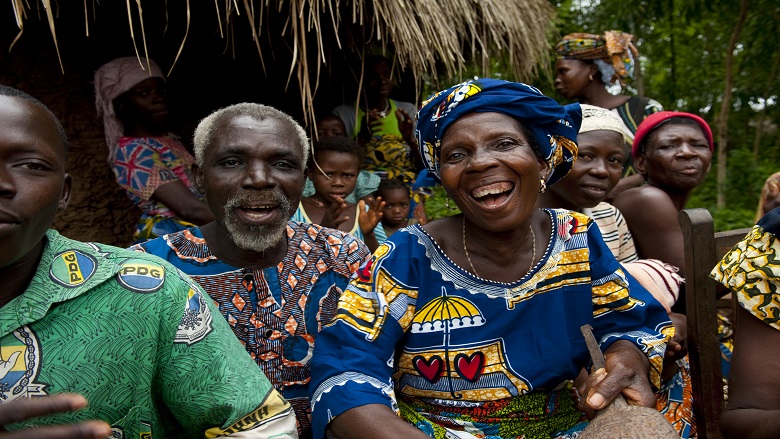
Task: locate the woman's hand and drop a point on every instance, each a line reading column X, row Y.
column 406, row 126
column 677, row 347
column 626, row 373
column 49, row 405
column 332, row 217
column 370, row 218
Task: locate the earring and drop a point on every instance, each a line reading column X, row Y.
column 447, row 203
column 543, row 186
column 590, row 77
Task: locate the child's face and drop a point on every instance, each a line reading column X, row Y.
column 396, row 209
column 597, row 170
column 340, row 174
column 330, row 126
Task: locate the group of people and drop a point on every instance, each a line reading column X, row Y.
column 253, row 306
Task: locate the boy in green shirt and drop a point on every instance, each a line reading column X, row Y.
column 129, row 332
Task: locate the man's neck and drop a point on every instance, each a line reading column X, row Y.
column 17, row 276
column 223, row 247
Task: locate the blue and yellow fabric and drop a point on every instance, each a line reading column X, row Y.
column 445, row 349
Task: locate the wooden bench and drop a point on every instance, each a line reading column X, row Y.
column 703, row 250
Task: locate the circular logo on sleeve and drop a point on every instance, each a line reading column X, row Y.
column 72, row 268
column 141, row 276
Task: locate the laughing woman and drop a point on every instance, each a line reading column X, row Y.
column 469, row 326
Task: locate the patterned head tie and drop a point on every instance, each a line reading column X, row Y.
column 613, row 52
column 553, row 126
column 600, row 119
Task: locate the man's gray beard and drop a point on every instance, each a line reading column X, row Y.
column 257, row 238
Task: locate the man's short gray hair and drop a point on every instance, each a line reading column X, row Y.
column 206, row 132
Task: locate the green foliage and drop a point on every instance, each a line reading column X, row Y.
column 683, row 46
column 435, row 207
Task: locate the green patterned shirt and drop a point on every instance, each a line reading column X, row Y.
column 138, row 339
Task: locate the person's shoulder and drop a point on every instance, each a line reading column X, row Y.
column 604, row 209
column 645, row 195
column 164, row 244
column 135, row 271
column 770, row 222
column 136, row 142
column 565, row 215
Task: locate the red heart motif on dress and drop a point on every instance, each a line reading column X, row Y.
column 430, row 369
column 364, row 273
column 470, row 367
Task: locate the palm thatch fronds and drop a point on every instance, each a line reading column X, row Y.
column 428, row 37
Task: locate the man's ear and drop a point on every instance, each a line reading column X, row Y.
column 199, row 178
column 65, row 195
column 640, row 164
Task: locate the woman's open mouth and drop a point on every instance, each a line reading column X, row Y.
column 493, row 195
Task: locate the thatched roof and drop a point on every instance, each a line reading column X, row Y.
column 428, row 37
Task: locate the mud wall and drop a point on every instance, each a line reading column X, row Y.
column 99, row 210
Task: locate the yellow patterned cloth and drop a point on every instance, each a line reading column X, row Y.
column 751, row 270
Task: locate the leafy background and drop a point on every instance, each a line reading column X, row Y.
column 683, row 48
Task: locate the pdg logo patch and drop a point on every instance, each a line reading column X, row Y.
column 141, row 276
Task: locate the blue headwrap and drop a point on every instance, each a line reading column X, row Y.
column 554, row 126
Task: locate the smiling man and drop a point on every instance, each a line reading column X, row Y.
column 126, row 330
column 673, row 151
column 277, row 282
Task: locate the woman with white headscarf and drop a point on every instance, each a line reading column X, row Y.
column 149, row 162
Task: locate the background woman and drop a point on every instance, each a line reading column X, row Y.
column 587, row 64
column 149, row 162
column 594, row 174
column 672, row 152
column 457, row 325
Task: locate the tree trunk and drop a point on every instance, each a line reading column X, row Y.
column 725, row 108
column 762, row 117
column 639, row 78
column 673, row 60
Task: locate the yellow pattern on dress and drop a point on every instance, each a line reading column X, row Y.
column 365, row 304
column 752, row 270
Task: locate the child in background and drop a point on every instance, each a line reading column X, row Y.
column 367, row 182
column 395, row 214
column 333, row 169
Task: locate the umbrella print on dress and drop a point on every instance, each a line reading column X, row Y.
column 444, row 314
